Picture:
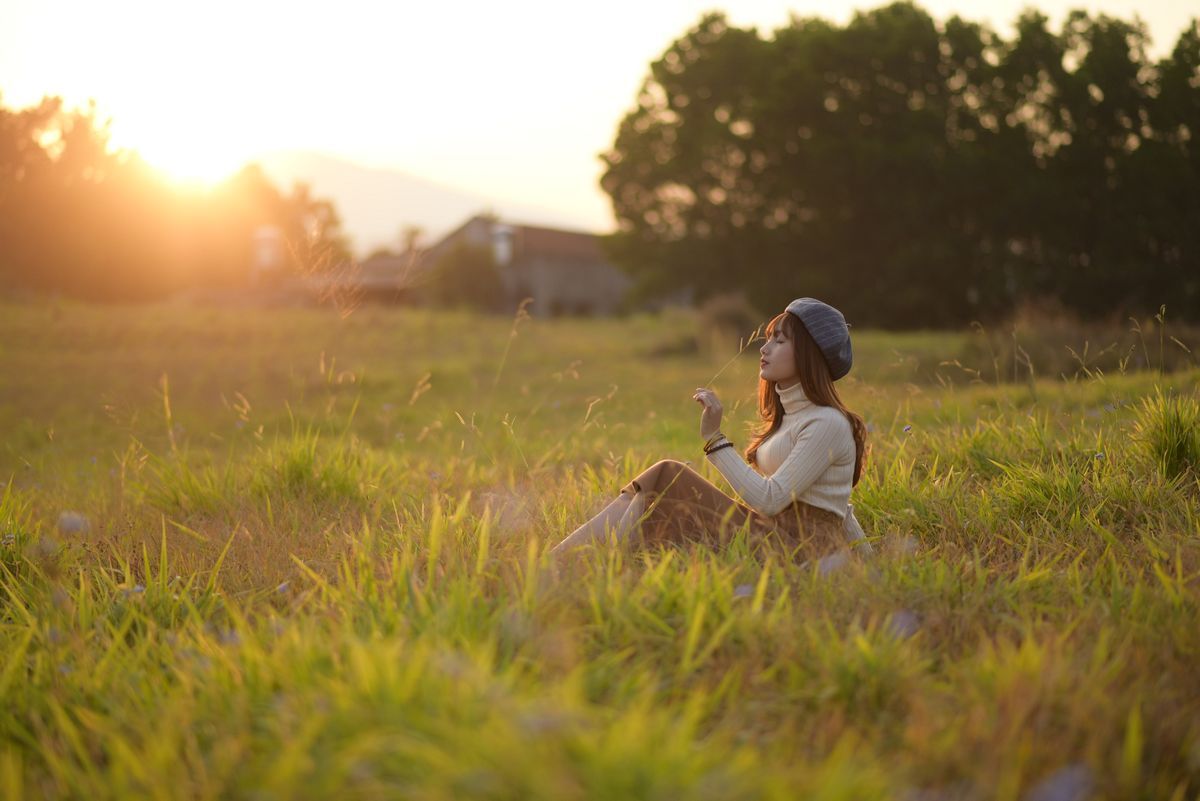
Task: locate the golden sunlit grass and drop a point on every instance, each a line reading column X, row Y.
column 310, row 563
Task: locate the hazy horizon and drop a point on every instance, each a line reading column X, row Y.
column 376, row 204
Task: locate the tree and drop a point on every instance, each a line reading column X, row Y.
column 911, row 173
column 467, row 276
column 75, row 216
column 410, row 238
column 79, row 217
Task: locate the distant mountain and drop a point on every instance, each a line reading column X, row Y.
column 376, row 203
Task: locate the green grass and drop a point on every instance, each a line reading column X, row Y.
column 316, row 567
column 1169, row 427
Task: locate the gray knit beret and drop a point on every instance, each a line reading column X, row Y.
column 828, row 329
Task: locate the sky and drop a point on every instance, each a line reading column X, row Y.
column 512, row 100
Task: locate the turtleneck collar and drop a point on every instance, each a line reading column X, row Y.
column 793, row 398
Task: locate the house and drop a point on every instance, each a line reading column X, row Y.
column 565, row 272
column 388, row 276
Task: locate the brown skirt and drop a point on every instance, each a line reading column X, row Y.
column 684, row 507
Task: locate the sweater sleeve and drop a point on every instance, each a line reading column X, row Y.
column 815, row 449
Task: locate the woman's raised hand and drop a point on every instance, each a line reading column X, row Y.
column 710, row 417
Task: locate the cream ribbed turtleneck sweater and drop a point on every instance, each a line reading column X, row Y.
column 809, row 458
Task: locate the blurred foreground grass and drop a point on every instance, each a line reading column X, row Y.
column 287, row 554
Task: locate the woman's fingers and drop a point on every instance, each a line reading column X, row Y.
column 710, row 417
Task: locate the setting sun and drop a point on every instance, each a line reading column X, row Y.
column 194, row 157
column 190, row 165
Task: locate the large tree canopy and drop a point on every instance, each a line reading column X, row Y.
column 915, row 173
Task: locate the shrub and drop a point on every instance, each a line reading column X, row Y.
column 1169, row 429
column 302, row 466
column 178, row 485
column 467, row 276
column 16, row 528
column 1045, row 340
column 725, row 319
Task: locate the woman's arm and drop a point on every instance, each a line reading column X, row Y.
column 818, row 444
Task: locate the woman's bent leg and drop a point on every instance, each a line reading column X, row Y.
column 666, row 502
column 609, row 519
column 683, row 505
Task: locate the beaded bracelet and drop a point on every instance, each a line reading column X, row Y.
column 715, row 448
column 714, row 438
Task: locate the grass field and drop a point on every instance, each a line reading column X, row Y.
column 291, row 554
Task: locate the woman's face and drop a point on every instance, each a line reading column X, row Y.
column 778, row 361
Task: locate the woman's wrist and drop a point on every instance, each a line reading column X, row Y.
column 716, row 441
column 713, row 438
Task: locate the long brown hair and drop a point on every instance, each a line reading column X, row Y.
column 817, row 384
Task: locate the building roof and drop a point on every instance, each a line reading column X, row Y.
column 531, row 241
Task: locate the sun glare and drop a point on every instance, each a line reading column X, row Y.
column 192, row 157
column 190, row 162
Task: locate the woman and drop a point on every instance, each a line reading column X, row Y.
column 806, row 456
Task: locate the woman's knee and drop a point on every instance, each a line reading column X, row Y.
column 669, row 466
column 666, row 471
column 657, row 475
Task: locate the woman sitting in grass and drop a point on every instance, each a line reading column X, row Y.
column 799, row 468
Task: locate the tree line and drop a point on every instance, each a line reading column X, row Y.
column 915, row 173
column 80, row 218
